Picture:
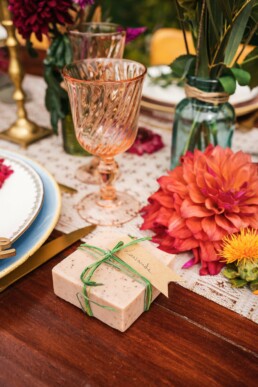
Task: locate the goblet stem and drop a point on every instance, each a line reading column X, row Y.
column 108, row 172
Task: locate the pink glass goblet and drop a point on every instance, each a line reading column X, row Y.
column 95, row 40
column 105, row 97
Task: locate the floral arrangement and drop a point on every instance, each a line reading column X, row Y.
column 146, row 142
column 5, row 172
column 211, row 195
column 240, row 252
column 217, row 29
column 51, row 18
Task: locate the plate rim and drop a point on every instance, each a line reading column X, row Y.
column 51, row 226
column 28, row 222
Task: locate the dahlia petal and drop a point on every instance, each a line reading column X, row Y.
column 234, row 219
column 166, row 243
column 195, row 194
column 211, row 228
column 185, row 244
column 224, row 223
column 189, row 263
column 163, row 198
column 164, row 217
column 189, row 210
column 207, row 252
column 194, row 225
column 253, row 200
column 211, row 205
column 211, row 268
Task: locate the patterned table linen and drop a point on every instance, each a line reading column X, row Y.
column 138, row 177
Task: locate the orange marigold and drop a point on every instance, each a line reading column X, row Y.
column 211, row 194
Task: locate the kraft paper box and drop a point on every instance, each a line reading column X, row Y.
column 123, row 293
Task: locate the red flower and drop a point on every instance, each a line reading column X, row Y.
column 146, row 142
column 212, row 194
column 35, row 16
column 5, row 172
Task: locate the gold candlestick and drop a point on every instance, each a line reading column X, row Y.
column 23, row 131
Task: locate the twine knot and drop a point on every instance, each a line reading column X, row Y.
column 215, row 98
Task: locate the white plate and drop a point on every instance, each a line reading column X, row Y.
column 173, row 94
column 43, row 225
column 21, row 198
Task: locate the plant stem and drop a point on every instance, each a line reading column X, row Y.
column 199, row 39
column 182, row 27
column 192, row 133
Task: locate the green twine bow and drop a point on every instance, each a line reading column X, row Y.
column 109, row 257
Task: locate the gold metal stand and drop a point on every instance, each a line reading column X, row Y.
column 23, row 131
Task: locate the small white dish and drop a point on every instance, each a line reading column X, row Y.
column 21, row 198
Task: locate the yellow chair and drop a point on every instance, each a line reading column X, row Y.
column 168, row 43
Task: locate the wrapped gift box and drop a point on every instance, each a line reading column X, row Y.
column 124, row 294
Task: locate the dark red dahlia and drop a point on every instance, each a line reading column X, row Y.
column 5, row 172
column 36, row 16
column 146, row 142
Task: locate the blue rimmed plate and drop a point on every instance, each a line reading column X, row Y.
column 21, row 198
column 44, row 223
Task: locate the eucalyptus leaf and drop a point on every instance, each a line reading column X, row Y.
column 236, row 32
column 243, row 77
column 225, row 7
column 250, row 64
column 213, row 15
column 228, row 83
column 183, row 65
column 68, row 50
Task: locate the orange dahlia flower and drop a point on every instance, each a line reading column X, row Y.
column 211, row 194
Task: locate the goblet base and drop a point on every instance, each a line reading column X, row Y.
column 108, row 213
column 88, row 173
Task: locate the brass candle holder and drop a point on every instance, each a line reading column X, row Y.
column 23, row 131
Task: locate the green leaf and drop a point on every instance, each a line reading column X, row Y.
column 31, row 50
column 254, row 285
column 250, row 64
column 238, row 283
column 225, row 8
column 228, row 83
column 188, row 4
column 68, row 51
column 183, row 65
column 243, row 77
column 230, row 271
column 214, row 16
column 236, row 32
column 203, row 54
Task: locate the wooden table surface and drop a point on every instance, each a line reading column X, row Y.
column 185, row 340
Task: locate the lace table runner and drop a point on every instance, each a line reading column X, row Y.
column 138, row 177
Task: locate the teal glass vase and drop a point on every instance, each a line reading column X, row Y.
column 198, row 123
